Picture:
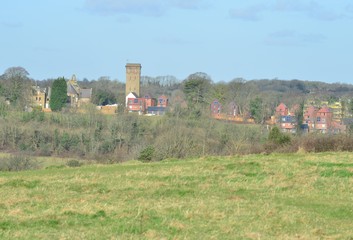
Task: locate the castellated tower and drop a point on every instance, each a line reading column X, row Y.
column 133, row 76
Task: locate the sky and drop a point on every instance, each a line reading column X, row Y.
column 252, row 39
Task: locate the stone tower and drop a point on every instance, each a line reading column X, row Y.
column 133, row 76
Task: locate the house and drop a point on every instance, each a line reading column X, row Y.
column 309, row 117
column 161, row 108
column 163, row 101
column 39, row 97
column 149, row 101
column 77, row 95
column 146, row 104
column 216, row 108
column 324, row 119
column 128, row 96
column 281, row 110
column 232, row 110
column 288, row 124
column 136, row 105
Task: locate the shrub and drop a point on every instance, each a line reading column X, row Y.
column 18, row 162
column 73, row 163
column 276, row 136
column 146, row 154
column 325, row 143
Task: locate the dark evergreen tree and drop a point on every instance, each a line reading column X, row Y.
column 58, row 96
column 256, row 109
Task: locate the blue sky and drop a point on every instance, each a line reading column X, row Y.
column 253, row 39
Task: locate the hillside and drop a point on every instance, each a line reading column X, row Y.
column 304, row 196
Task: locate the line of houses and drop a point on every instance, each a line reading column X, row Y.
column 315, row 119
column 147, row 104
column 327, row 118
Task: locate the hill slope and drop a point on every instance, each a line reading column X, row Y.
column 301, row 196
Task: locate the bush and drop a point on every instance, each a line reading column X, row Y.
column 73, row 163
column 326, row 143
column 277, row 137
column 18, row 163
column 146, row 154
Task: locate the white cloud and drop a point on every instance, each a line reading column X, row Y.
column 189, row 4
column 294, row 6
column 312, row 9
column 144, row 7
column 11, row 24
column 141, row 7
column 293, row 38
column 251, row 13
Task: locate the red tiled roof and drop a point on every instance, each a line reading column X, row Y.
column 281, row 107
column 324, row 110
column 310, row 111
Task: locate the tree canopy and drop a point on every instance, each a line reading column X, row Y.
column 58, row 96
column 16, row 85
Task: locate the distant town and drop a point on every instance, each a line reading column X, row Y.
column 309, row 116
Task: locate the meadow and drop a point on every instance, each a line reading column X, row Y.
column 275, row 196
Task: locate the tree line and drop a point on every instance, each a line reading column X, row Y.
column 185, row 131
column 254, row 98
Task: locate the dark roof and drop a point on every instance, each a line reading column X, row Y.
column 288, row 119
column 71, row 89
column 156, row 109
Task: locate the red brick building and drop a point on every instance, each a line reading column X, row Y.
column 163, row 101
column 309, row 117
column 324, row 120
column 136, row 105
column 281, row 110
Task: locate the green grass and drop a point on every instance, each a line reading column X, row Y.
column 279, row 196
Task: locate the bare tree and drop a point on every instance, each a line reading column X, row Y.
column 17, row 86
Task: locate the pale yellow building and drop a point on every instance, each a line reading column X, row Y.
column 39, row 97
column 133, row 76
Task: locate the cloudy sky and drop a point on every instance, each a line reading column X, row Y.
column 253, row 39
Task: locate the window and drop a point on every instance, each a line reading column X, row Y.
column 318, row 119
column 136, row 100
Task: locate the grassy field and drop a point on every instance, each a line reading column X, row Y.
column 289, row 196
